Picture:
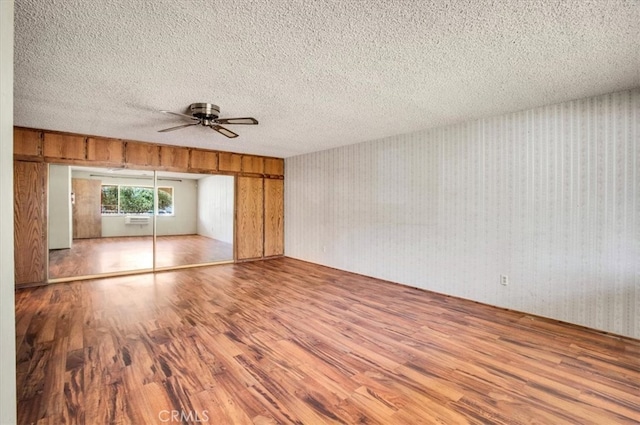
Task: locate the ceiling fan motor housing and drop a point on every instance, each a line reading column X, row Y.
column 207, row 112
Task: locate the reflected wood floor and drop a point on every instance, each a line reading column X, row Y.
column 107, row 255
column 284, row 341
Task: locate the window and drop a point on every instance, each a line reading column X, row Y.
column 125, row 199
column 165, row 200
column 109, row 199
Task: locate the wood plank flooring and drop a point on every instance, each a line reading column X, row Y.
column 283, row 341
column 108, row 255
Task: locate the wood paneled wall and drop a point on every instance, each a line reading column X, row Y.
column 56, row 147
column 27, row 143
column 63, row 146
column 30, row 224
column 249, row 218
column 259, row 230
column 259, row 210
column 107, row 151
column 273, row 217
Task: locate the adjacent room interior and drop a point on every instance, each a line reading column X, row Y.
column 381, row 212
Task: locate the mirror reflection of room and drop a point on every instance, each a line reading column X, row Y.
column 101, row 221
column 198, row 228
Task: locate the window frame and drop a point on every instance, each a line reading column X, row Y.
column 155, row 211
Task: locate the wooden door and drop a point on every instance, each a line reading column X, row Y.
column 273, row 217
column 30, row 222
column 87, row 214
column 249, row 218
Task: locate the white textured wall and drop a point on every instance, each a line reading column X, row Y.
column 548, row 196
column 215, row 207
column 7, row 308
column 183, row 221
column 59, row 218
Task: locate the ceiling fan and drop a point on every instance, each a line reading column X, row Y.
column 206, row 114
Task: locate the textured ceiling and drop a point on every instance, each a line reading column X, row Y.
column 316, row 74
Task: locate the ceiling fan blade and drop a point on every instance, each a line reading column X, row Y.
column 178, row 127
column 234, row 121
column 224, row 131
column 180, row 115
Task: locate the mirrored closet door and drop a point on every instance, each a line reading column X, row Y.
column 197, row 226
column 117, row 221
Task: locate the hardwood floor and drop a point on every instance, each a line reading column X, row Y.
column 283, row 341
column 181, row 250
column 108, row 255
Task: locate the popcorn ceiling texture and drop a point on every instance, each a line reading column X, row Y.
column 317, row 74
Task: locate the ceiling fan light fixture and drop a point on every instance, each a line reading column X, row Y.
column 207, row 114
column 205, row 111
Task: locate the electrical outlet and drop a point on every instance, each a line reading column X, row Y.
column 504, row 279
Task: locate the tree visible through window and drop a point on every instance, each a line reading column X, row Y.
column 109, row 199
column 165, row 200
column 136, row 200
column 121, row 199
